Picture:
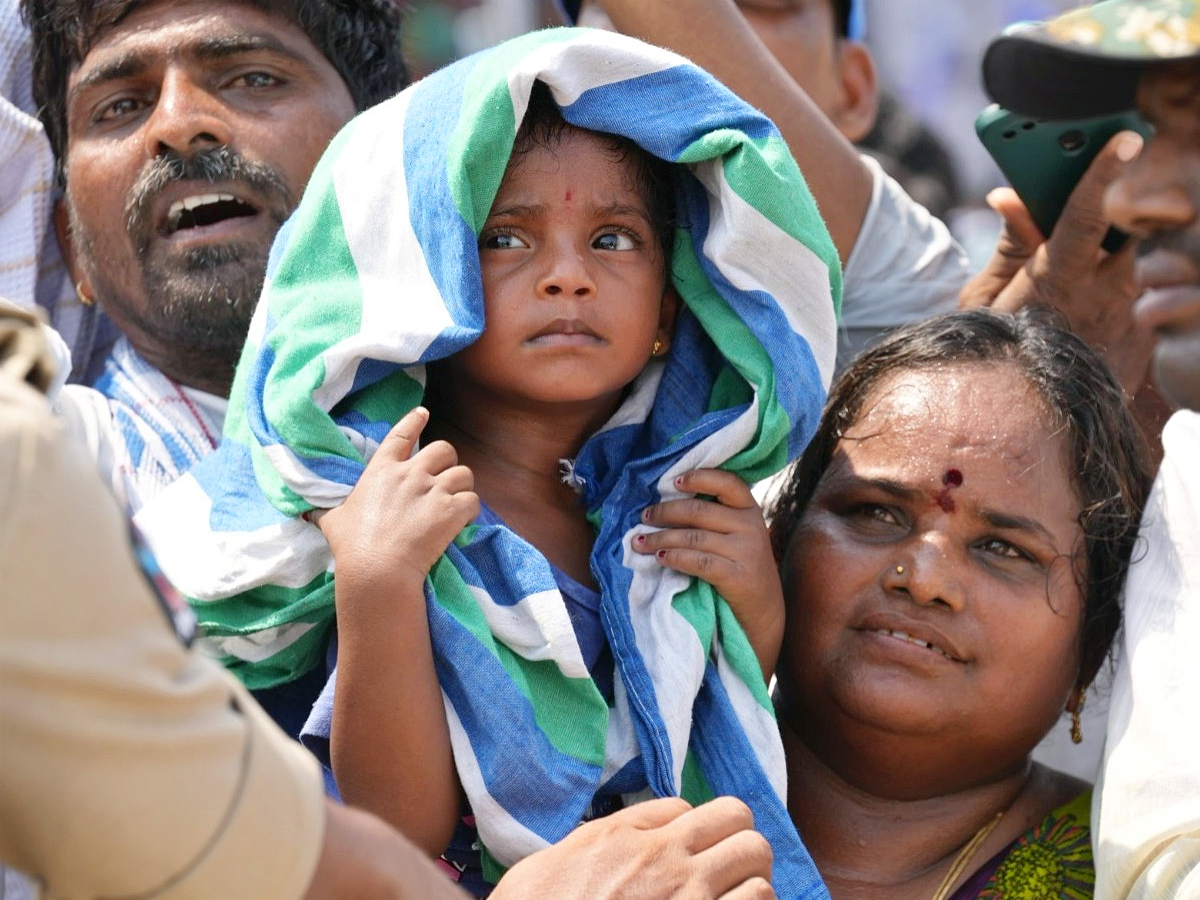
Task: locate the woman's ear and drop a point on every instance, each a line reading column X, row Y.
column 667, row 311
column 860, row 90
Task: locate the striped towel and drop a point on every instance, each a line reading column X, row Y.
column 376, row 274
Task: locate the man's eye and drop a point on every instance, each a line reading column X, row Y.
column 118, row 108
column 258, row 80
column 615, row 240
column 502, row 240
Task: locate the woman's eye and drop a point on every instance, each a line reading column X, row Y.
column 873, row 514
column 502, row 240
column 997, row 547
column 615, row 240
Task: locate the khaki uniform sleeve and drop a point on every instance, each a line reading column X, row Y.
column 131, row 766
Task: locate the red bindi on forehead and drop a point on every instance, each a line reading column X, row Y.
column 952, row 479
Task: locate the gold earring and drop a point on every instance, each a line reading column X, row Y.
column 83, row 295
column 1076, row 727
column 657, row 348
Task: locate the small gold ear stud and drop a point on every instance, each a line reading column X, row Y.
column 658, row 345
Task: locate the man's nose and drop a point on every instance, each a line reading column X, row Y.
column 566, row 273
column 187, row 117
column 1156, row 192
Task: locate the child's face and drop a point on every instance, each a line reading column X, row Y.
column 573, row 279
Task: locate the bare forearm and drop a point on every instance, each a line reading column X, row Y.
column 390, row 744
column 714, row 35
column 363, row 857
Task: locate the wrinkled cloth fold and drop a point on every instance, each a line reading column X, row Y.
column 376, row 274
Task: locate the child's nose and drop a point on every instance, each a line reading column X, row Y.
column 566, row 274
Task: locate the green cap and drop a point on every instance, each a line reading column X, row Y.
column 1088, row 62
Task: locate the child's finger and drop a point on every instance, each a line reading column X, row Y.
column 727, row 488
column 399, row 442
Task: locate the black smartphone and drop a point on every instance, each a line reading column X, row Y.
column 1043, row 159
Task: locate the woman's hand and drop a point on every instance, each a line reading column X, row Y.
column 725, row 542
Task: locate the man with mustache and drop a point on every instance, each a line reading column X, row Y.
column 1115, row 56
column 185, row 132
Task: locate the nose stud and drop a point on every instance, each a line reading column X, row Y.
column 899, row 570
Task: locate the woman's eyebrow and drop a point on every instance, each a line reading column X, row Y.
column 1010, row 522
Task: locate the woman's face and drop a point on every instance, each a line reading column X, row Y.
column 933, row 606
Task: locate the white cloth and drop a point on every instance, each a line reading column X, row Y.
column 148, row 433
column 32, row 271
column 1146, row 825
column 905, row 266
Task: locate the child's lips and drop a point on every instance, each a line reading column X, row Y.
column 565, row 333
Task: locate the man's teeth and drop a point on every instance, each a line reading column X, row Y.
column 912, row 640
column 187, row 204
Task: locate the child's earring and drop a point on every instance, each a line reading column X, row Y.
column 657, row 348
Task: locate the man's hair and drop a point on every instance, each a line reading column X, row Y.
column 1107, row 455
column 360, row 38
column 841, row 17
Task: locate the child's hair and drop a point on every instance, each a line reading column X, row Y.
column 544, row 126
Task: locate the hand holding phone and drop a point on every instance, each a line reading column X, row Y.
column 1044, row 159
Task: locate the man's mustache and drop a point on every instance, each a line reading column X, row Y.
column 217, row 164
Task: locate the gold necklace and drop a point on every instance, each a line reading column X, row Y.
column 963, row 859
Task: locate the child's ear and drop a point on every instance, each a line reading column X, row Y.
column 667, row 311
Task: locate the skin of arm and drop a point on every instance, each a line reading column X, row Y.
column 714, row 35
column 725, row 542
column 363, row 857
column 390, row 744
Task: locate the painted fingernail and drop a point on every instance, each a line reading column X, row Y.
column 661, row 554
column 646, row 514
column 679, row 482
column 640, row 539
column 1129, row 145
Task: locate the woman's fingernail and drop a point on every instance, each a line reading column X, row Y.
column 646, row 514
column 640, row 539
column 679, row 482
column 661, row 554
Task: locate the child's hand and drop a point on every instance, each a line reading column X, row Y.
column 725, row 542
column 403, row 513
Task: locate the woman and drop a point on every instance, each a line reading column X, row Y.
column 953, row 544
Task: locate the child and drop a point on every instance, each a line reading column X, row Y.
column 536, row 297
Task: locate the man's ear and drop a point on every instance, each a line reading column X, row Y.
column 667, row 311
column 860, row 90
column 62, row 230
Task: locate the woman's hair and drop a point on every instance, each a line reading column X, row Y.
column 1108, row 459
column 544, row 126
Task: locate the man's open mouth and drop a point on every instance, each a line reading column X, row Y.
column 200, row 210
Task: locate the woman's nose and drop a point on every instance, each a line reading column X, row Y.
column 928, row 571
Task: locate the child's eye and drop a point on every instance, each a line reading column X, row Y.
column 502, row 240
column 615, row 240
